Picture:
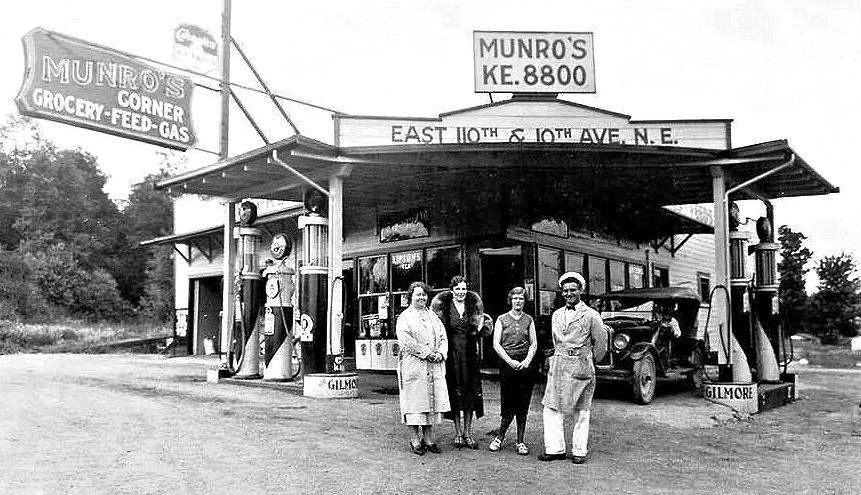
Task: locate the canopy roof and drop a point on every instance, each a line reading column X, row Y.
column 671, row 175
column 630, row 183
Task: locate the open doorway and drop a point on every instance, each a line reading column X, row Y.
column 207, row 314
column 501, row 270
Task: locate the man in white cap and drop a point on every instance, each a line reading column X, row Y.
column 571, row 376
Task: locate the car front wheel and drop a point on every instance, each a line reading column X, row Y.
column 644, row 380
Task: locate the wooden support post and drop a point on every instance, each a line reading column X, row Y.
column 721, row 254
column 335, row 342
column 228, row 304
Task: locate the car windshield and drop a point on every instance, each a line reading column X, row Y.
column 614, row 308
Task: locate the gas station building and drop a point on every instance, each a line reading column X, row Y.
column 510, row 193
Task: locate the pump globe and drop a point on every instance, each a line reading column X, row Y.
column 763, row 229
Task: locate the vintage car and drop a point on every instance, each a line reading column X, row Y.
column 641, row 326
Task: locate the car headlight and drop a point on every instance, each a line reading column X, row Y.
column 621, row 341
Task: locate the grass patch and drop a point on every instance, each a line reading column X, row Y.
column 71, row 335
column 828, row 356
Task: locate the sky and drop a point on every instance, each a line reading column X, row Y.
column 782, row 70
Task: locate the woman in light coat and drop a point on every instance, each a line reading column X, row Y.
column 421, row 369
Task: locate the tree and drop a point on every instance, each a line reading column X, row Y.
column 157, row 301
column 148, row 214
column 18, row 293
column 837, row 302
column 791, row 267
column 19, row 137
column 63, row 201
column 55, row 214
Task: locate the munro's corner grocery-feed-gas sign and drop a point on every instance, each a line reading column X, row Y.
column 73, row 82
column 531, row 62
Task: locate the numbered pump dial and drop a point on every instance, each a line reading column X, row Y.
column 280, row 247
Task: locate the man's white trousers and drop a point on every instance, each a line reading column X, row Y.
column 554, row 432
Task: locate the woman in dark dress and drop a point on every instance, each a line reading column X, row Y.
column 515, row 341
column 462, row 314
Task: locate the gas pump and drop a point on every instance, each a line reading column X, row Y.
column 737, row 369
column 278, row 322
column 246, row 351
column 313, row 282
column 752, row 301
column 763, row 308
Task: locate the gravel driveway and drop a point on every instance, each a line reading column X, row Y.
column 145, row 424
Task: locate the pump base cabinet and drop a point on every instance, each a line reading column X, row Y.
column 377, row 354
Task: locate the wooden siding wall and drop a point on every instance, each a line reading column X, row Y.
column 202, row 267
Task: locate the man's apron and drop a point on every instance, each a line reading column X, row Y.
column 571, row 376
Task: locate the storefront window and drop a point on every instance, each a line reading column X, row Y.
column 375, row 316
column 548, row 279
column 705, row 286
column 635, row 276
column 548, row 268
column 661, row 277
column 597, row 275
column 529, row 277
column 548, row 302
column 575, row 262
column 443, row 263
column 617, row 275
column 374, row 297
column 373, row 275
column 406, row 269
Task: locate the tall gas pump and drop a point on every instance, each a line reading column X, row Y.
column 313, row 282
column 246, row 350
column 278, row 322
column 737, row 369
column 752, row 299
column 764, row 306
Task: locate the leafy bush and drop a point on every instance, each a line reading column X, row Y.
column 97, row 297
column 91, row 294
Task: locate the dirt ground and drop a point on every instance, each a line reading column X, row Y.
column 144, row 424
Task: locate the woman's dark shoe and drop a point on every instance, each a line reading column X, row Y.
column 458, row 441
column 432, row 447
column 417, row 448
column 470, row 442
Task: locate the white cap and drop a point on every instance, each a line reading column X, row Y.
column 576, row 276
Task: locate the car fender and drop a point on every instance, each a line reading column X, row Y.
column 640, row 349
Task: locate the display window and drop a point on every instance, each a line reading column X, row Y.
column 549, row 260
column 575, row 262
column 597, row 280
column 383, row 281
column 443, row 263
column 660, row 277
column 374, row 318
column 373, row 275
column 406, row 269
column 617, row 275
column 704, row 282
column 636, row 276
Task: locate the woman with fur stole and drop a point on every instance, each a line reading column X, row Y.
column 462, row 314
